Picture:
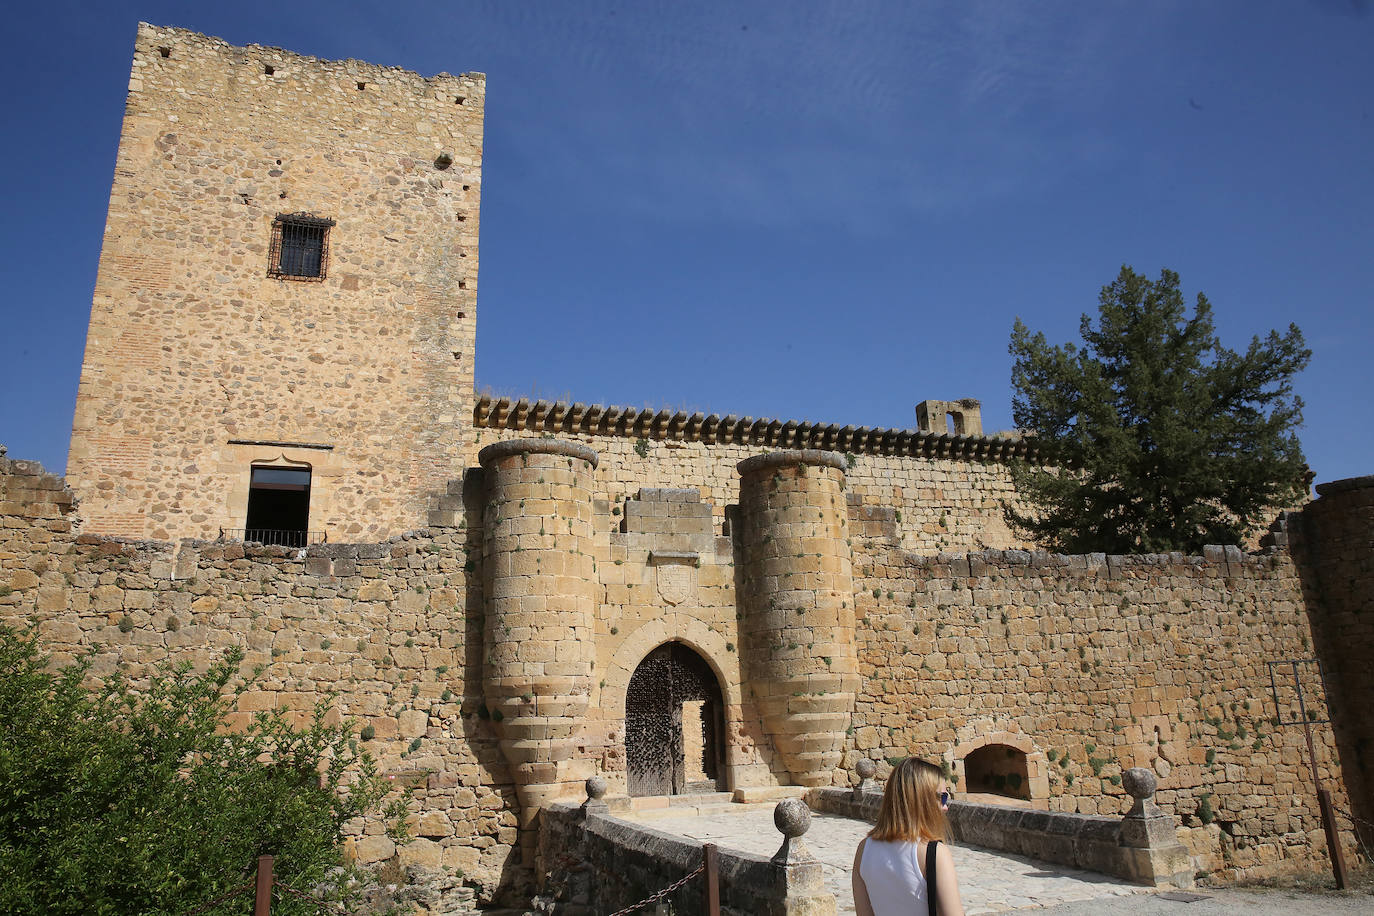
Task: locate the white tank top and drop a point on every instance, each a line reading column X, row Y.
column 893, row 877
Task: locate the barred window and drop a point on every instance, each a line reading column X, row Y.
column 300, row 247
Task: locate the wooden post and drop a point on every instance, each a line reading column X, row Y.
column 262, row 902
column 712, row 880
column 1333, row 837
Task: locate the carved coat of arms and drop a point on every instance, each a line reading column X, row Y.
column 677, row 582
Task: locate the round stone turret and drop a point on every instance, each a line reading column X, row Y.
column 797, row 606
column 540, row 603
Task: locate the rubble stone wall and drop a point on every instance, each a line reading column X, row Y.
column 1094, row 664
column 1087, row 665
column 199, row 364
column 385, row 628
column 1333, row 538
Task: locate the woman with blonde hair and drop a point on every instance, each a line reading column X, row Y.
column 894, row 863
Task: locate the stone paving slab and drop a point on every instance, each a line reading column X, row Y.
column 989, row 882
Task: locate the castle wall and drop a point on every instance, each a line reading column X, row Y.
column 1086, row 665
column 1092, row 664
column 386, row 628
column 931, row 504
column 199, row 364
column 1333, row 538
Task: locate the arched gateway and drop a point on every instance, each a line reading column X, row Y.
column 674, row 724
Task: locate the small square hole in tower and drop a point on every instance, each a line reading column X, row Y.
column 362, row 85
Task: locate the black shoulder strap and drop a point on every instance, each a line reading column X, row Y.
column 930, row 874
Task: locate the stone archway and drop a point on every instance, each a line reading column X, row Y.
column 674, row 724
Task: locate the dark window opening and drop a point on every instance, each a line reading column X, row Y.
column 300, row 247
column 278, row 506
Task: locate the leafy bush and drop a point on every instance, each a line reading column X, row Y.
column 124, row 800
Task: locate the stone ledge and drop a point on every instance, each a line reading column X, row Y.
column 789, row 457
column 628, row 860
column 498, row 450
column 1082, row 841
column 1345, row 485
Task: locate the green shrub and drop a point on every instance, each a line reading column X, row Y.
column 115, row 800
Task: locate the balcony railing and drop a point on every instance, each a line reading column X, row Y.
column 283, row 537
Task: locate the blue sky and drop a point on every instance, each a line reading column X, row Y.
column 824, row 211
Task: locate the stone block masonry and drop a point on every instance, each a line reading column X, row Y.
column 384, row 628
column 1333, row 538
column 1083, row 665
column 797, row 606
column 1089, row 665
column 541, row 605
column 199, row 364
column 933, row 492
column 288, row 279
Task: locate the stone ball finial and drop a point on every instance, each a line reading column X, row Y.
column 596, row 787
column 792, row 817
column 866, row 768
column 1139, row 783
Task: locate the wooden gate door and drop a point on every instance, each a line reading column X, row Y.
column 669, row 676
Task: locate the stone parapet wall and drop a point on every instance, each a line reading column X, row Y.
column 199, row 364
column 561, row 418
column 1096, row 664
column 1088, row 841
column 601, row 863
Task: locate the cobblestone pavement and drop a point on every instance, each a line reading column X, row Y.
column 989, row 882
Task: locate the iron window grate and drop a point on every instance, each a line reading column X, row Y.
column 300, row 247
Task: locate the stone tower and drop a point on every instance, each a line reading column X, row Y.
column 797, row 606
column 282, row 330
column 540, row 613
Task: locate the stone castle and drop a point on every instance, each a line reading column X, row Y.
column 277, row 444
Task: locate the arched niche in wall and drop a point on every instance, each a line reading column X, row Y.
column 1001, row 763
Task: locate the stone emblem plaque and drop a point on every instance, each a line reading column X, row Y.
column 677, row 582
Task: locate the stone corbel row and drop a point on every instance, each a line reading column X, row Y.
column 629, row 422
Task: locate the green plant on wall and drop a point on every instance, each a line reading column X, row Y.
column 221, row 797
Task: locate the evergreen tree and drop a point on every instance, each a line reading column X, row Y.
column 1161, row 438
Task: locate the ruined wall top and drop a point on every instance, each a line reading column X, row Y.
column 966, row 415
column 174, row 44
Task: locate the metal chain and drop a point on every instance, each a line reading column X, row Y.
column 320, row 904
column 654, row 898
column 218, row 900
